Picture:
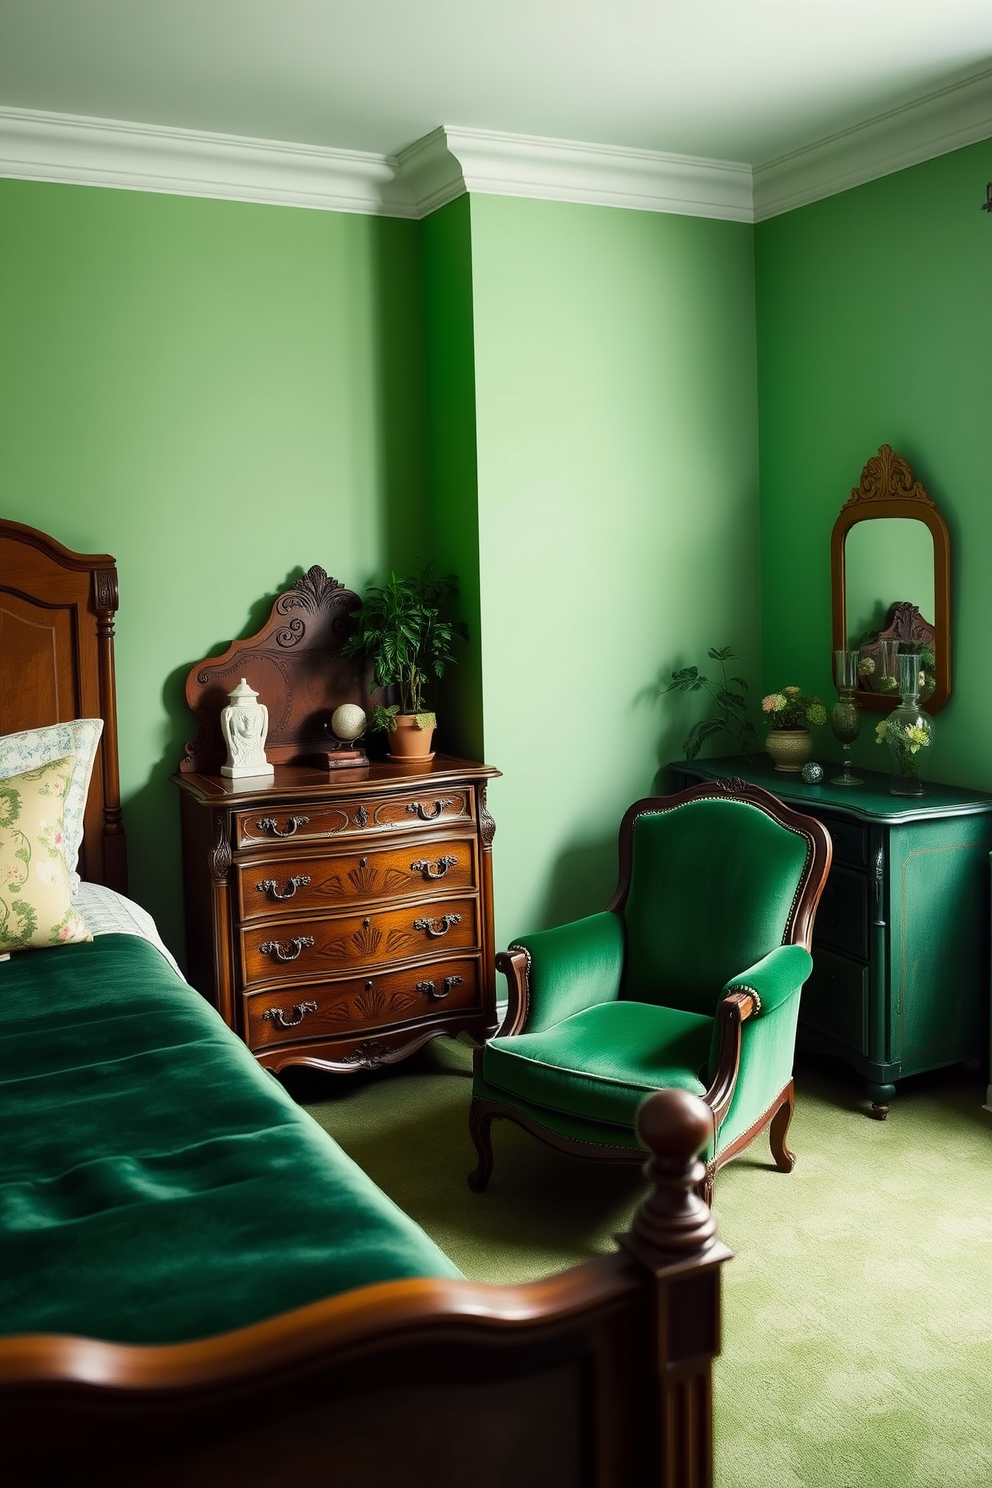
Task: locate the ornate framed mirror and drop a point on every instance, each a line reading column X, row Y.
column 890, row 566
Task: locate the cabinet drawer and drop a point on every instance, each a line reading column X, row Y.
column 834, row 1003
column 300, row 947
column 358, row 1004
column 850, row 839
column 309, row 880
column 842, row 917
column 315, row 821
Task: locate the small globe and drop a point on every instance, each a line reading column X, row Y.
column 348, row 721
column 812, row 773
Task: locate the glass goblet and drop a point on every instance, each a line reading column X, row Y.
column 887, row 679
column 845, row 718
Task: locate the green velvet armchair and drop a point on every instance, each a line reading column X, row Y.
column 689, row 979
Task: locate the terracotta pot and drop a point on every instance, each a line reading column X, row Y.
column 408, row 741
column 789, row 748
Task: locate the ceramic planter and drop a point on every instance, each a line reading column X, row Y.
column 789, row 748
column 408, row 741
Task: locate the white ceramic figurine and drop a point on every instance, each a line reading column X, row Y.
column 244, row 724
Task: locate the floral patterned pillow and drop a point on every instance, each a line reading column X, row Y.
column 32, row 747
column 36, row 907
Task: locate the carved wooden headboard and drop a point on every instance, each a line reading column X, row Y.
column 57, row 663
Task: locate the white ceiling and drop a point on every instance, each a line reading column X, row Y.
column 737, row 80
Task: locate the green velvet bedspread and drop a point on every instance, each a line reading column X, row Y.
column 156, row 1184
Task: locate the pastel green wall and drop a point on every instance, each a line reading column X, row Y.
column 873, row 328
column 557, row 401
column 617, row 479
column 220, row 395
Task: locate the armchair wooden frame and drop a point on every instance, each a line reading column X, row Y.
column 733, row 1012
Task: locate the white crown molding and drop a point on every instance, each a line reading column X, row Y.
column 36, row 146
column 432, row 174
column 450, row 161
column 949, row 119
column 445, row 164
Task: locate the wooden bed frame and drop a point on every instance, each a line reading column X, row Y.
column 57, row 613
column 597, row 1377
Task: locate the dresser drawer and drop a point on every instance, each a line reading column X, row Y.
column 300, row 947
column 317, row 821
column 306, row 881
column 355, row 1005
column 850, row 839
column 834, row 1005
column 842, row 917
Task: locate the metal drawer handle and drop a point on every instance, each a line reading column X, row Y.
column 434, row 929
column 420, row 810
column 291, row 951
column 428, row 989
column 269, row 824
column 440, row 867
column 276, row 1015
column 270, row 887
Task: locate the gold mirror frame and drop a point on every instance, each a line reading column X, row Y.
column 888, row 488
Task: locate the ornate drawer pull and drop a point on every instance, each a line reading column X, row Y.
column 270, row 887
column 419, row 810
column 276, row 1015
column 440, row 867
column 431, row 927
column 269, row 824
column 292, row 950
column 428, row 989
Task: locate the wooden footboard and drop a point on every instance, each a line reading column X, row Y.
column 598, row 1377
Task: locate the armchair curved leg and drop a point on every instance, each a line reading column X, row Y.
column 480, row 1120
column 785, row 1160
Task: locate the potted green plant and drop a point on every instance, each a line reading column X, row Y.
column 789, row 714
column 402, row 631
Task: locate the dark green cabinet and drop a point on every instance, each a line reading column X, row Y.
column 900, row 980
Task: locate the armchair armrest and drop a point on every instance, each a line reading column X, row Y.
column 554, row 973
column 771, row 980
column 765, row 986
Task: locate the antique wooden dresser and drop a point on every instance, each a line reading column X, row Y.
column 337, row 917
column 342, row 922
column 900, row 979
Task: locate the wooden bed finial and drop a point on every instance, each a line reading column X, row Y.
column 673, row 1222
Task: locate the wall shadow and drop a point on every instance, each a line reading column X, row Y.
column 582, row 882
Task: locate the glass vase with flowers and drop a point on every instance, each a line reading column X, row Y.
column 908, row 732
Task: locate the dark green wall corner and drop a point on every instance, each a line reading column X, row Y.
column 873, row 316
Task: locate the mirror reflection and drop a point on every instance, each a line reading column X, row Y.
column 887, row 563
column 890, row 583
column 890, row 596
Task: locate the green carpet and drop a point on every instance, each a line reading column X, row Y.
column 857, row 1312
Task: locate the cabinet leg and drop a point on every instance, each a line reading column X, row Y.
column 881, row 1098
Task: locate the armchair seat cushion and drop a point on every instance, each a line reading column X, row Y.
column 600, row 1063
